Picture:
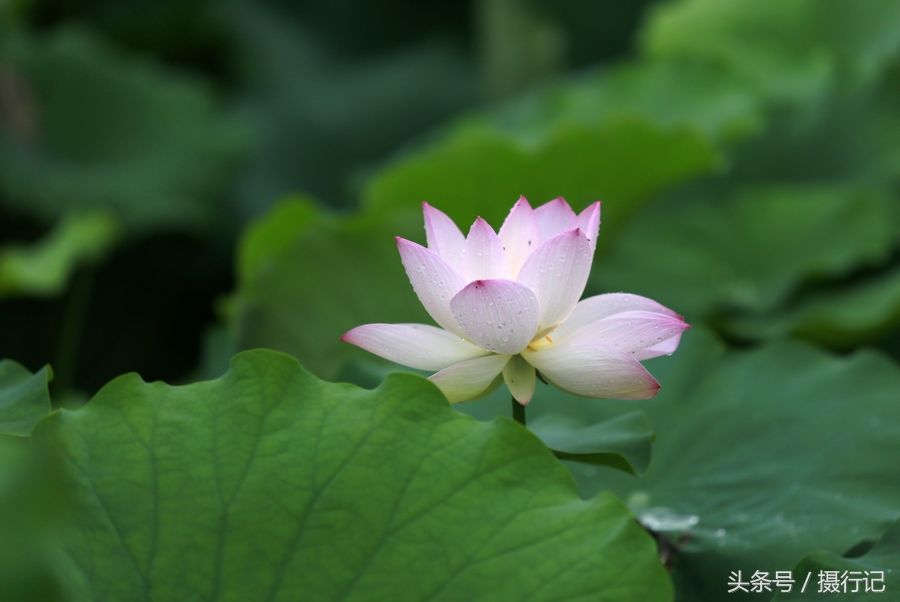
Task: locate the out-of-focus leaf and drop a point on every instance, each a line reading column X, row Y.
column 250, row 486
column 879, row 568
column 767, row 42
column 306, row 278
column 33, row 511
column 218, row 347
column 662, row 92
column 113, row 133
column 24, row 398
column 270, row 237
column 840, row 318
column 322, row 117
column 765, row 457
column 520, row 45
column 44, row 268
column 32, row 499
column 482, row 172
column 11, row 14
column 622, row 442
column 749, row 251
column 788, row 50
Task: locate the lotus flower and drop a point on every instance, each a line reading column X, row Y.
column 507, row 304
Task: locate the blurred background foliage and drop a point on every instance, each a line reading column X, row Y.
column 181, row 180
column 203, row 177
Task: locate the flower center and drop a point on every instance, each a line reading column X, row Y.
column 541, row 342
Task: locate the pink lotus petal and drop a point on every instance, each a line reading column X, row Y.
column 557, row 272
column 628, row 331
column 519, row 235
column 498, row 315
column 591, row 369
column 555, row 217
column 520, row 378
column 666, row 347
column 484, row 255
column 602, row 306
column 415, row 345
column 443, row 236
column 469, row 379
column 589, row 223
column 434, row 281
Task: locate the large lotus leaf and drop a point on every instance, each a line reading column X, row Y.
column 24, row 398
column 97, row 129
column 788, row 50
column 306, row 278
column 477, row 171
column 44, row 268
column 271, row 484
column 750, row 251
column 858, row 579
column 842, row 318
column 766, row 456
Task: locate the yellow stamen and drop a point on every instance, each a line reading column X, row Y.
column 540, row 343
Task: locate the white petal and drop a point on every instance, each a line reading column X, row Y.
column 588, row 368
column 434, row 281
column 557, row 272
column 629, row 331
column 602, row 306
column 443, row 236
column 484, row 255
column 666, row 347
column 469, row 379
column 519, row 235
column 589, row 223
column 520, row 378
column 498, row 315
column 554, row 217
column 415, row 345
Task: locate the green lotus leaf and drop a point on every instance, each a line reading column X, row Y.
column 622, row 442
column 44, row 268
column 722, row 107
column 306, row 277
column 33, row 513
column 766, row 456
column 271, row 484
column 97, row 130
column 860, row 312
column 788, row 50
column 749, row 251
column 24, row 398
column 481, row 171
column 879, row 569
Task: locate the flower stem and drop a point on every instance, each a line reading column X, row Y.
column 518, row 412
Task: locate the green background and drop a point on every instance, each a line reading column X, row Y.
column 183, row 181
